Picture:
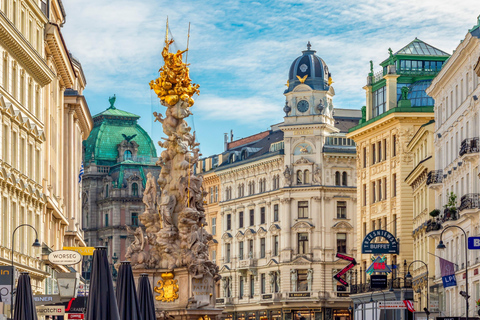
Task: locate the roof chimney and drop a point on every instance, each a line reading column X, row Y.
column 225, row 143
column 231, row 135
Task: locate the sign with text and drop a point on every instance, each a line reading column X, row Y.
column 75, row 316
column 6, row 283
column 391, row 305
column 84, row 251
column 378, row 281
column 342, row 272
column 391, row 246
column 298, row 294
column 50, row 310
column 379, row 265
column 474, row 243
column 202, row 290
column 64, row 257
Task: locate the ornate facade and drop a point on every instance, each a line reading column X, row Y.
column 287, row 206
column 396, row 107
column 457, row 109
column 37, row 69
column 118, row 156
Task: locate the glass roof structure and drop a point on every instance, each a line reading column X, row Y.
column 418, row 47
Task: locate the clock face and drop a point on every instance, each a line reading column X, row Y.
column 302, row 105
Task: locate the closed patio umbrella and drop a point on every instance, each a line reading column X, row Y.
column 145, row 298
column 127, row 301
column 24, row 305
column 101, row 303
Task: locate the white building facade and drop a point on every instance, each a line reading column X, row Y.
column 456, row 92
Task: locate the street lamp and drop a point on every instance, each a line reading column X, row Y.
column 355, row 306
column 441, row 245
column 36, row 244
column 409, row 276
column 384, row 301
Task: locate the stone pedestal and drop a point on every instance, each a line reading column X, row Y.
column 196, row 297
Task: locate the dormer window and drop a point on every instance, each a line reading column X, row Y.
column 127, row 155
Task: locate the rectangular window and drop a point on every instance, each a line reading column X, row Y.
column 37, row 166
column 214, row 226
column 364, row 195
column 22, row 155
column 229, row 222
column 250, row 248
column 275, row 212
column 341, row 209
column 374, row 193
column 394, row 185
column 241, row 288
column 252, row 285
column 134, row 219
column 275, row 246
column 379, row 145
column 240, row 250
column 262, row 247
column 374, row 154
column 262, row 215
column 252, row 217
column 384, row 149
column 240, row 219
column 227, row 253
column 262, row 283
column 384, row 188
column 342, row 242
column 106, row 220
column 394, row 145
column 216, row 194
column 364, row 157
column 302, row 209
column 302, row 282
column 14, row 149
column 395, row 225
column 364, row 229
column 211, row 194
column 303, row 243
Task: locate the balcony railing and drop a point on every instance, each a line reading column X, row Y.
column 433, row 226
column 449, row 214
column 469, row 145
column 435, row 176
column 469, row 201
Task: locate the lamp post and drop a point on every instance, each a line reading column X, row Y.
column 410, row 276
column 36, row 244
column 441, row 245
column 384, row 300
column 355, row 307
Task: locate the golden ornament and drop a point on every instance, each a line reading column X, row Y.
column 167, row 288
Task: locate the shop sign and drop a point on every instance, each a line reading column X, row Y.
column 64, row 257
column 391, row 247
column 378, row 281
column 343, row 294
column 50, row 310
column 75, row 316
column 220, row 300
column 391, row 305
column 6, row 283
column 379, row 265
column 298, row 294
column 84, row 251
column 339, row 275
column 267, row 296
column 474, row 243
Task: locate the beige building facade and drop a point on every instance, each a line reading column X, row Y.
column 457, row 109
column 36, row 69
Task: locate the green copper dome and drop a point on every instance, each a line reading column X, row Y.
column 110, row 128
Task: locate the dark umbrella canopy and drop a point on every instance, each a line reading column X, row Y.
column 126, row 295
column 24, row 305
column 101, row 303
column 145, row 298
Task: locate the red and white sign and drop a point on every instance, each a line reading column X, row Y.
column 75, row 316
column 391, row 305
column 409, row 305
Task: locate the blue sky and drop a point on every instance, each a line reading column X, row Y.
column 240, row 51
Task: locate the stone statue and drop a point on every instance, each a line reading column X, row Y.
column 390, row 58
column 293, row 275
column 310, row 279
column 371, row 67
column 272, row 281
column 112, row 101
column 317, row 175
column 135, row 252
column 288, row 176
column 150, row 193
column 278, row 280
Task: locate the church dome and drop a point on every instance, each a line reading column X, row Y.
column 111, row 128
column 311, row 66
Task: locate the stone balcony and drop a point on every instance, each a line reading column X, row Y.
column 469, row 149
column 435, row 178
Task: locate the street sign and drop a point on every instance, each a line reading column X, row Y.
column 50, row 310
column 474, row 243
column 64, row 257
column 391, row 305
column 378, row 281
column 339, row 275
column 84, row 251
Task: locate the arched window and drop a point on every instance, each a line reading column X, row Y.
column 134, row 189
column 127, row 155
column 344, row 178
column 306, row 176
column 299, row 177
column 337, row 178
column 106, row 191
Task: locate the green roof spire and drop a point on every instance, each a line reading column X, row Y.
column 112, row 101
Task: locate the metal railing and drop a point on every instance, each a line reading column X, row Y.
column 419, row 72
column 433, row 226
column 469, row 201
column 435, row 176
column 469, row 145
column 378, row 76
column 449, row 215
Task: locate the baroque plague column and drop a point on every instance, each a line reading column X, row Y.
column 177, row 254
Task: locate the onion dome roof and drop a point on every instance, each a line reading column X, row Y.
column 312, row 67
column 110, row 128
